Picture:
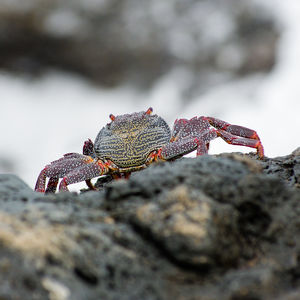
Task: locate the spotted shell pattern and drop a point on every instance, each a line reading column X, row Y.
column 129, row 139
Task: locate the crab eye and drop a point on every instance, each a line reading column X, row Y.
column 149, row 111
column 112, row 117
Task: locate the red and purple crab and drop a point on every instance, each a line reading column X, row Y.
column 132, row 142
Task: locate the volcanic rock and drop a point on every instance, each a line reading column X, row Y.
column 212, row 227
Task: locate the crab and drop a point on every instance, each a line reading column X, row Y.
column 131, row 142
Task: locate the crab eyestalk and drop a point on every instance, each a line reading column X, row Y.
column 112, row 117
column 149, row 111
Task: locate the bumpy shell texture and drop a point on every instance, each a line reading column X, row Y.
column 129, row 138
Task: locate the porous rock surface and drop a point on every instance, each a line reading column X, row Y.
column 212, row 227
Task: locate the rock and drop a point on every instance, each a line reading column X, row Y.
column 12, row 188
column 191, row 228
column 213, row 227
column 137, row 42
column 286, row 168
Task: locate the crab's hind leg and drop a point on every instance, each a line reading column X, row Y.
column 237, row 135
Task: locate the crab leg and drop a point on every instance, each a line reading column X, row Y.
column 52, row 184
column 187, row 136
column 237, row 135
column 58, row 168
column 86, row 172
column 196, row 133
column 241, row 141
column 189, row 128
column 188, row 144
column 178, row 148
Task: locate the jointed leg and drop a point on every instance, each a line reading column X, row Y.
column 52, row 184
column 188, row 144
column 189, row 128
column 204, row 139
column 58, row 169
column 242, row 141
column 41, row 181
column 83, row 173
column 196, row 133
column 178, row 148
column 187, row 136
column 237, row 135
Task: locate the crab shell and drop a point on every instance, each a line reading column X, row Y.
column 129, row 139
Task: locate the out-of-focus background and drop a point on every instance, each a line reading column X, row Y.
column 65, row 65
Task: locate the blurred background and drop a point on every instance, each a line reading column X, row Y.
column 65, row 65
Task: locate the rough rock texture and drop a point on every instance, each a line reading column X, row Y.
column 213, row 227
column 137, row 41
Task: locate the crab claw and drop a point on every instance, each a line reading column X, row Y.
column 88, row 148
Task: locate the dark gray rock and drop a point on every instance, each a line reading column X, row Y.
column 192, row 229
column 12, row 188
column 286, row 168
column 212, row 227
column 134, row 41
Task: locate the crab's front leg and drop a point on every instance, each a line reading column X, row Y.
column 59, row 168
column 86, row 172
column 73, row 167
